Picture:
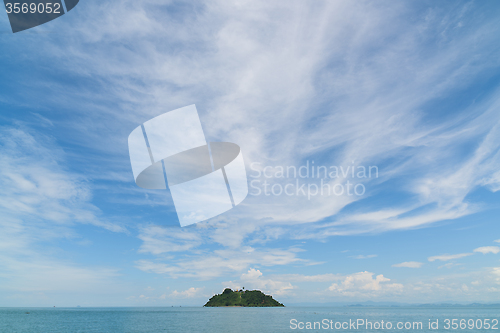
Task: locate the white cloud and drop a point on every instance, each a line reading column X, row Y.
column 329, row 277
column 244, row 64
column 449, row 265
column 409, row 264
column 189, row 293
column 488, row 249
column 253, row 280
column 41, row 201
column 35, row 279
column 497, row 241
column 446, row 257
column 37, row 187
column 52, row 276
column 472, row 286
column 496, row 273
column 363, row 284
column 252, row 274
column 361, row 256
column 220, row 262
column 232, row 234
column 158, row 240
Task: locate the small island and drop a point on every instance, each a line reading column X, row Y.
column 243, row 298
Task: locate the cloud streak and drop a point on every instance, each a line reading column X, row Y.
column 327, row 83
column 488, row 249
column 447, row 257
column 409, row 264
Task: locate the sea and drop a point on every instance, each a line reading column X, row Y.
column 250, row 320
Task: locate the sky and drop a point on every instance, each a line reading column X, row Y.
column 408, row 89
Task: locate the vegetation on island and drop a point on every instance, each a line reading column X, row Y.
column 254, row 298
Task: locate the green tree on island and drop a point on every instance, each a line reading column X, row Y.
column 246, row 298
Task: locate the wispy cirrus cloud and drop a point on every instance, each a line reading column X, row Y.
column 409, row 264
column 446, row 257
column 37, row 187
column 251, row 73
column 288, row 81
column 450, row 265
column 487, row 249
column 205, row 265
column 157, row 240
column 42, row 203
column 189, row 293
column 362, row 256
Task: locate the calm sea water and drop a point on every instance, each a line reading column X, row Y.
column 246, row 320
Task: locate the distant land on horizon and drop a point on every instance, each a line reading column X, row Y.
column 394, row 304
column 242, row 298
column 302, row 304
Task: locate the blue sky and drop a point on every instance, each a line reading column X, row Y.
column 410, row 87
